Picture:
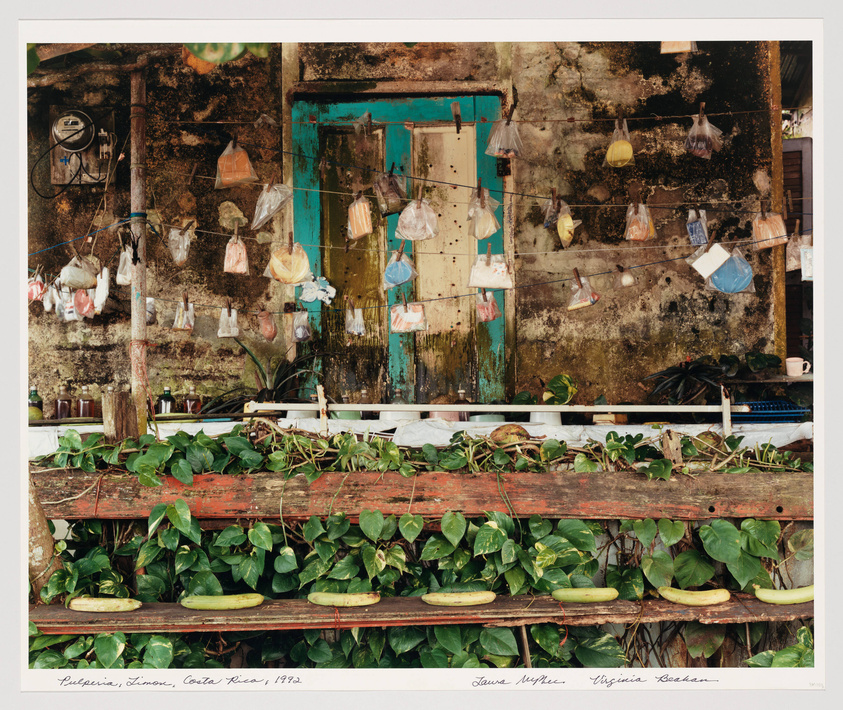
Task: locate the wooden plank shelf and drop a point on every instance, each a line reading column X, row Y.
column 69, row 494
column 290, row 614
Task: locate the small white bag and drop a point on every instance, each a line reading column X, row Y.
column 228, row 323
column 124, row 268
column 490, row 271
column 101, row 292
column 80, row 272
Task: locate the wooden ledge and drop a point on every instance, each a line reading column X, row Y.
column 288, row 614
column 71, row 494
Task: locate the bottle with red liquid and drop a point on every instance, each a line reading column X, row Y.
column 63, row 403
column 192, row 403
column 85, row 404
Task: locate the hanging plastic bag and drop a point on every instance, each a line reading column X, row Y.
column 623, row 278
column 289, row 265
column 184, row 317
column 151, row 312
column 735, row 276
column 80, row 272
column 354, row 323
column 318, row 290
column 35, row 288
column 487, row 306
column 179, row 242
column 504, row 141
column 66, row 311
column 271, row 200
column 481, row 213
column 268, row 327
column 50, row 297
column 619, row 152
column 228, row 327
column 301, row 327
column 359, row 217
column 407, row 317
column 391, row 192
column 236, row 257
column 793, row 256
column 707, row 261
column 399, row 270
column 565, row 224
column 697, row 227
column 417, row 221
column 124, row 268
column 490, row 271
column 806, row 255
column 83, row 303
column 582, row 294
column 703, row 138
column 639, row 225
column 768, row 230
column 233, row 167
column 101, row 292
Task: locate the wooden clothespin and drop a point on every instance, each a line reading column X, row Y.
column 236, row 227
column 358, row 195
column 229, row 307
column 789, row 206
column 350, row 302
column 488, row 254
column 234, row 143
column 702, row 106
column 404, row 298
column 271, row 180
column 421, row 188
column 577, row 278
column 553, row 197
column 708, row 245
column 619, row 268
column 192, row 173
column 763, row 209
column 322, row 167
column 511, row 111
column 184, row 300
column 619, row 119
column 400, row 251
column 483, row 293
column 456, row 113
column 391, row 168
column 480, row 194
column 290, row 242
column 187, row 226
column 796, row 230
column 697, row 212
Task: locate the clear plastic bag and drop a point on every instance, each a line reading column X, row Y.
column 80, row 272
column 124, row 268
column 271, row 201
column 697, row 227
column 101, row 292
column 268, row 326
column 83, row 303
column 359, row 217
column 407, row 318
column 768, row 230
column 481, row 213
column 228, row 327
column 487, row 306
column 391, row 192
column 504, row 140
column 565, row 226
column 179, row 243
column 639, row 225
column 619, row 153
column 707, row 262
column 236, row 257
column 234, row 168
column 793, row 257
column 417, row 221
column 735, row 276
column 184, row 317
column 35, row 288
column 354, row 323
column 151, row 312
column 582, row 294
column 66, row 306
column 399, row 270
column 290, row 267
column 623, row 278
column 301, row 327
column 490, row 271
column 703, row 138
column 49, row 299
column 318, row 290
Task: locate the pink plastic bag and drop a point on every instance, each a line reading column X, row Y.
column 487, row 307
column 236, row 258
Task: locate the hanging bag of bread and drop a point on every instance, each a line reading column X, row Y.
column 407, row 317
column 504, row 140
column 490, row 271
column 233, row 167
column 289, row 265
column 481, row 213
column 768, row 229
column 582, row 294
column 184, row 317
column 236, row 258
column 417, row 221
column 179, row 242
column 391, row 192
column 703, row 138
column 487, row 306
column 639, row 225
column 359, row 217
column 619, row 152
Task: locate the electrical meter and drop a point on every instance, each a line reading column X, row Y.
column 73, row 131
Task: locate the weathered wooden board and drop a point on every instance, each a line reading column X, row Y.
column 73, row 494
column 287, row 614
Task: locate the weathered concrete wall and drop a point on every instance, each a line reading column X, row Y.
column 606, row 348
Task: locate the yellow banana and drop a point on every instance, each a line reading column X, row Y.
column 347, row 599
column 221, row 601
column 797, row 595
column 103, row 604
column 458, row 598
column 691, row 598
column 585, row 594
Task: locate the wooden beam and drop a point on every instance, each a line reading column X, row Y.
column 288, row 614
column 69, row 494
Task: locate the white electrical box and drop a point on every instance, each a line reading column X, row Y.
column 82, row 145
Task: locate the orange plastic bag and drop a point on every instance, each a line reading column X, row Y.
column 233, row 167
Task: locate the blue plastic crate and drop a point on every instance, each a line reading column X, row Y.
column 775, row 411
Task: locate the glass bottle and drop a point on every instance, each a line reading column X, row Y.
column 364, row 399
column 463, row 416
column 85, row 404
column 35, row 399
column 166, row 403
column 192, row 403
column 63, row 403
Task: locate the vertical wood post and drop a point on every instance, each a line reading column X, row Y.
column 138, row 226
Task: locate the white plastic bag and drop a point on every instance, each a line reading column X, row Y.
column 101, row 293
column 735, row 276
column 236, row 257
column 290, row 266
column 639, row 225
column 268, row 327
column 768, row 230
column 50, row 298
column 354, row 323
column 151, row 313
column 623, row 278
column 179, row 243
column 487, row 306
column 124, row 268
column 301, row 327
column 233, row 167
column 504, row 140
column 582, row 294
column 359, row 217
column 793, row 256
column 399, row 270
column 84, row 303
column 228, row 323
column 317, row 290
column 66, row 310
column 80, row 272
column 417, row 221
column 271, row 200
column 619, row 153
column 184, row 317
column 697, row 227
column 490, row 271
column 481, row 213
column 407, row 318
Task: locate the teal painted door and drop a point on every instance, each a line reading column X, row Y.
column 419, row 138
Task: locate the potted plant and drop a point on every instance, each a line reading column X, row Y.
column 560, row 390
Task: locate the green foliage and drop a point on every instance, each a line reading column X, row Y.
column 800, row 655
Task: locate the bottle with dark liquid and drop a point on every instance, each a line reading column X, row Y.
column 192, row 403
column 35, row 399
column 85, row 404
column 63, row 403
column 166, row 403
column 463, row 416
column 364, row 399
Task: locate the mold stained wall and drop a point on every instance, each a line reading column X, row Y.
column 182, row 110
column 607, row 348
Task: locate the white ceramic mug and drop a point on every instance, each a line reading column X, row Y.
column 796, row 366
